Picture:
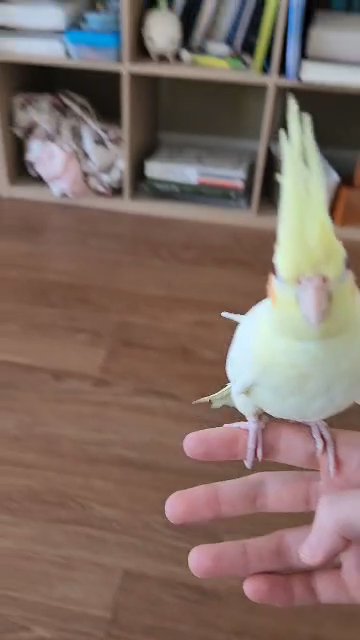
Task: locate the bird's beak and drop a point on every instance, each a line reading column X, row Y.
column 314, row 296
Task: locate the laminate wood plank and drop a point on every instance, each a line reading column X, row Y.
column 22, row 619
column 110, row 327
column 59, row 341
column 188, row 609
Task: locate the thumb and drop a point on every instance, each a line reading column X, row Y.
column 336, row 523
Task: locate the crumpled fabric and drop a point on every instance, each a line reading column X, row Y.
column 66, row 145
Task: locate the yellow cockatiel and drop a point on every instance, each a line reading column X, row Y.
column 296, row 354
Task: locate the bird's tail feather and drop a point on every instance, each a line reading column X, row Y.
column 222, row 398
column 235, row 317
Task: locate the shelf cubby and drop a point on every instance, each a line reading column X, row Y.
column 102, row 90
column 234, row 117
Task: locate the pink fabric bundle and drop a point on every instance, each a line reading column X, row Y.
column 67, row 146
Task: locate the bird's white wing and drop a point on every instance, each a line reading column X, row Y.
column 243, row 363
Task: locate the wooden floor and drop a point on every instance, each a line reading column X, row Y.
column 109, row 328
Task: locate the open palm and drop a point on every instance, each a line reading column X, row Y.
column 275, row 568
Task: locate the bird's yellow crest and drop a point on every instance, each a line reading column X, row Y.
column 306, row 243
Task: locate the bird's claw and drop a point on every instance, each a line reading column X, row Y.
column 319, row 431
column 324, row 442
column 255, row 439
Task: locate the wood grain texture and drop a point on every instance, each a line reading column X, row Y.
column 109, row 328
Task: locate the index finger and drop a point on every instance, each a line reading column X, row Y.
column 284, row 442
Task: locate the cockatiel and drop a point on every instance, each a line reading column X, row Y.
column 296, row 354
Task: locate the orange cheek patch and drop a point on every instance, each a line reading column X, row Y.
column 271, row 289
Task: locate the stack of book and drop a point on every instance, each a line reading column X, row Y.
column 243, row 28
column 56, row 28
column 323, row 46
column 35, row 27
column 202, row 172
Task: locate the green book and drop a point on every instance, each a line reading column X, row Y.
column 265, row 33
column 195, row 193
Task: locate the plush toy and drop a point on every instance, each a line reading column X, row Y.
column 162, row 32
column 296, row 354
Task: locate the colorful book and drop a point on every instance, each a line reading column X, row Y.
column 202, row 189
column 252, row 33
column 199, row 195
column 216, row 165
column 294, row 38
column 203, row 23
column 237, row 8
column 243, row 26
column 265, row 33
column 235, row 24
column 223, row 20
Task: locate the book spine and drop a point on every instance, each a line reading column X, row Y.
column 249, row 43
column 244, row 25
column 265, row 33
column 187, row 174
column 204, row 189
column 204, row 194
column 212, row 183
column 236, row 22
column 294, row 38
column 231, row 16
column 189, row 17
column 178, row 6
column 219, row 28
column 203, row 23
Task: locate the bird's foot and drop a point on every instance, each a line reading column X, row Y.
column 324, row 441
column 254, row 426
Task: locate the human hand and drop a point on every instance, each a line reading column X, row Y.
column 279, row 569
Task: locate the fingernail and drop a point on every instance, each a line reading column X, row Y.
column 189, row 442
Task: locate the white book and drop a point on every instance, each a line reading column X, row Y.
column 40, row 15
column 28, row 43
column 198, row 164
column 334, row 36
column 203, row 23
column 330, row 73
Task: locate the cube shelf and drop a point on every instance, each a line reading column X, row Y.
column 148, row 99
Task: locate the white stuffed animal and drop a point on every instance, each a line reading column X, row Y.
column 162, row 32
